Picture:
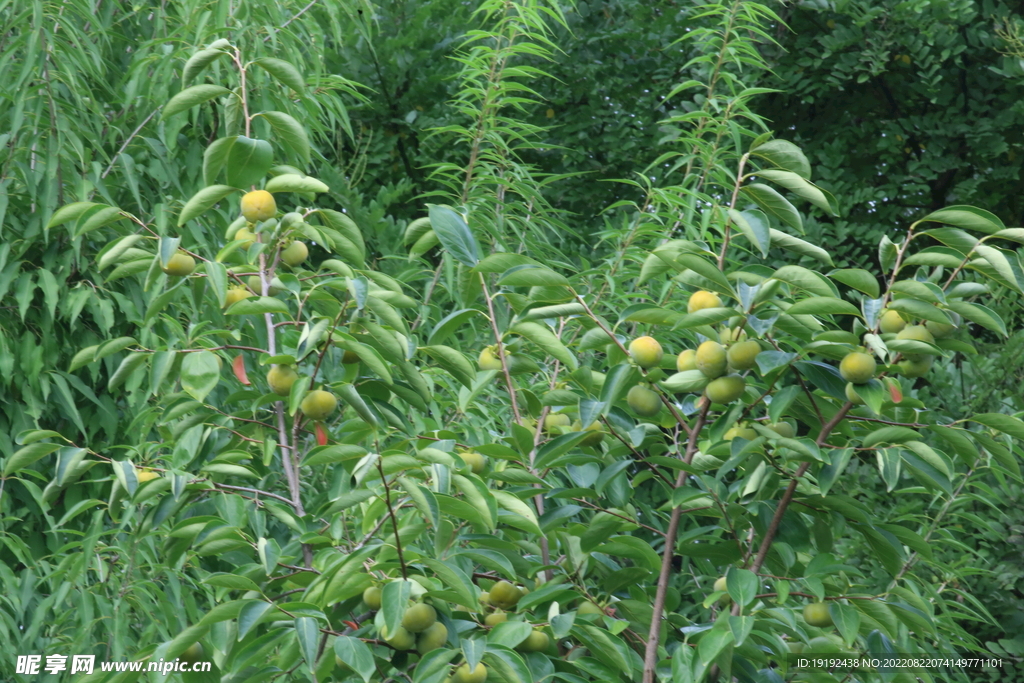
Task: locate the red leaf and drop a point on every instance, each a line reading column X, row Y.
column 896, row 391
column 321, row 434
column 238, row 365
column 352, row 625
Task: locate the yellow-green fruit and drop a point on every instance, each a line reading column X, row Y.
column 816, row 614
column 915, row 368
column 476, row 462
column 742, row 355
column 646, row 351
column 852, row 396
column 939, row 330
column 419, row 617
column 784, row 429
column 318, row 404
column 725, row 389
column 643, row 401
column 891, row 322
column 495, row 619
column 295, row 253
column 594, row 437
column 489, row 360
column 553, row 421
column 732, row 334
column 146, row 475
column 537, row 641
column 485, row 598
column 796, row 647
column 432, row 638
column 712, row 359
column 258, row 205
column 701, row 300
column 247, row 235
column 743, row 432
column 720, row 584
column 234, row 295
column 587, row 607
column 857, row 367
column 504, row 595
column 256, row 285
column 179, row 265
column 281, row 378
column 687, row 360
column 464, row 675
column 400, row 639
column 916, row 333
column 371, row 596
column 193, row 653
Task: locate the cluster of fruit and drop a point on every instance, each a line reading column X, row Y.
column 421, row 630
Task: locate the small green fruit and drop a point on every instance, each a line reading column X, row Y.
column 372, row 597
column 711, row 359
column 496, row 618
column 643, row 401
column 295, row 253
column 477, row 463
column 891, row 322
column 816, row 614
column 318, row 404
column 281, row 378
column 743, row 355
column 687, row 360
column 179, row 265
column 857, row 367
column 725, row 389
column 419, row 617
column 464, row 675
column 433, row 637
column 537, row 641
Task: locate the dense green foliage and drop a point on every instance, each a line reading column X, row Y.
column 499, row 199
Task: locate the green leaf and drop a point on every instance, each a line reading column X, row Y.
column 24, row 457
column 250, row 614
column 796, row 245
column 802, row 188
column 290, row 182
column 454, row 233
column 308, row 633
column 859, row 279
column 456, row 579
column 289, row 133
column 129, row 365
column 823, row 305
column 529, row 275
column 356, row 655
column 232, row 581
column 544, row 338
column 190, row 97
column 394, row 600
column 71, row 212
column 101, row 218
column 202, row 201
column 453, row 362
column 509, row 633
column 920, row 309
column 1007, row 424
column 257, row 305
column 283, row 72
column 350, row 395
column 785, row 155
column 754, row 226
column 198, row 62
column 200, row 372
column 968, row 218
column 688, row 381
column 890, row 434
column 509, row 502
column 774, row 204
column 997, row 258
column 248, row 160
column 981, row 315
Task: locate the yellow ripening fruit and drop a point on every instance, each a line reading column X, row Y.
column 643, row 401
column 295, row 253
column 537, row 641
column 493, row 620
column 702, row 299
column 281, row 378
column 784, row 429
column 687, row 360
column 489, row 360
column 258, row 205
column 587, row 607
column 433, row 637
column 594, row 438
column 725, row 389
column 916, row 333
column 915, row 368
column 318, row 404
column 712, row 359
column 400, row 640
column 742, row 355
column 891, row 322
column 485, row 598
column 371, row 596
column 743, row 432
column 504, row 595
column 193, row 653
column 646, row 351
column 464, row 675
column 236, row 294
column 247, row 235
column 852, row 396
column 476, row 461
column 816, row 614
column 179, row 265
column 554, row 421
column 857, row 367
column 419, row 617
column 146, row 475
